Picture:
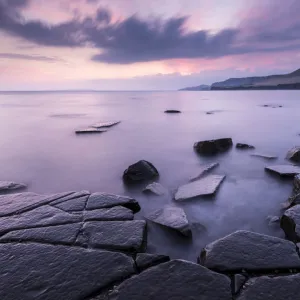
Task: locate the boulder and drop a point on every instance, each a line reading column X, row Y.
column 144, row 260
column 116, row 213
column 294, row 154
column 265, row 156
column 176, row 279
column 244, row 146
column 140, row 171
column 271, row 288
column 203, row 187
column 105, row 124
column 284, row 170
column 211, row 147
column 172, row 111
column 250, row 251
column 89, row 130
column 204, row 169
column 172, row 217
column 155, row 188
column 46, row 272
column 290, row 223
column 11, row 186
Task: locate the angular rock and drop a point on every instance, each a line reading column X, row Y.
column 284, row 170
column 273, row 219
column 17, row 203
column 145, row 260
column 272, row 288
column 244, row 146
column 204, row 169
column 211, row 147
column 89, row 130
column 104, row 200
column 265, row 156
column 60, row 234
column 117, row 213
column 42, row 216
column 155, row 188
column 202, row 187
column 294, row 154
column 175, row 280
column 140, row 171
column 172, row 217
column 73, row 205
column 290, row 223
column 105, row 124
column 172, row 111
column 238, row 281
column 250, row 251
column 46, row 272
column 70, row 196
column 129, row 236
column 11, row 186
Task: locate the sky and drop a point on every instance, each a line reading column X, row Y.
column 144, row 44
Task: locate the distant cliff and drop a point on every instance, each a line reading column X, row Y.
column 202, row 87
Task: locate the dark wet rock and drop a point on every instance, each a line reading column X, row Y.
column 11, row 186
column 290, row 223
column 175, row 280
column 265, row 156
column 140, row 171
column 60, row 234
column 271, row 288
column 244, row 146
column 250, row 251
column 284, row 170
column 90, row 130
column 204, row 170
column 238, row 282
column 202, row 187
column 172, row 111
column 294, row 154
column 104, row 200
column 117, row 213
column 271, row 105
column 18, row 203
column 129, row 236
column 211, row 112
column 46, row 272
column 145, row 260
column 105, row 124
column 155, row 188
column 40, row 217
column 172, row 217
column 73, row 205
column 213, row 146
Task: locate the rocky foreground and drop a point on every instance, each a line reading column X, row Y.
column 88, row 246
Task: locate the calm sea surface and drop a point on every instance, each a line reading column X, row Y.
column 38, row 146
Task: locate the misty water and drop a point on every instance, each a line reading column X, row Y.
column 38, row 146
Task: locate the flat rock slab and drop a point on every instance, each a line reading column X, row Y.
column 155, row 188
column 117, row 213
column 105, row 124
column 105, row 200
column 294, row 154
column 204, row 170
column 67, row 115
column 211, row 147
column 245, row 250
column 11, row 186
column 284, row 170
column 73, row 205
column 272, row 288
column 265, row 156
column 90, row 130
column 290, row 223
column 203, row 187
column 175, row 280
column 144, row 260
column 70, row 196
column 45, row 272
column 141, row 171
column 172, row 217
column 129, row 236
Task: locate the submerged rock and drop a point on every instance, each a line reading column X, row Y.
column 266, row 156
column 155, row 188
column 105, row 124
column 290, row 223
column 176, row 279
column 172, row 111
column 294, row 154
column 204, row 169
column 211, row 147
column 203, row 187
column 284, row 170
column 172, row 217
column 271, row 105
column 89, row 130
column 250, row 251
column 140, row 171
column 244, row 146
column 11, row 186
column 145, row 260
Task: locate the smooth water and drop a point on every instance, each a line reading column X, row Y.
column 38, row 146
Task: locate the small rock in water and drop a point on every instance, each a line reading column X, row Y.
column 266, row 156
column 155, row 188
column 172, row 217
column 294, row 154
column 10, row 186
column 211, row 147
column 172, row 111
column 284, row 170
column 89, row 130
column 203, row 187
column 67, row 115
column 204, row 169
column 271, row 105
column 273, row 219
column 105, row 124
column 140, row 171
column 244, row 146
